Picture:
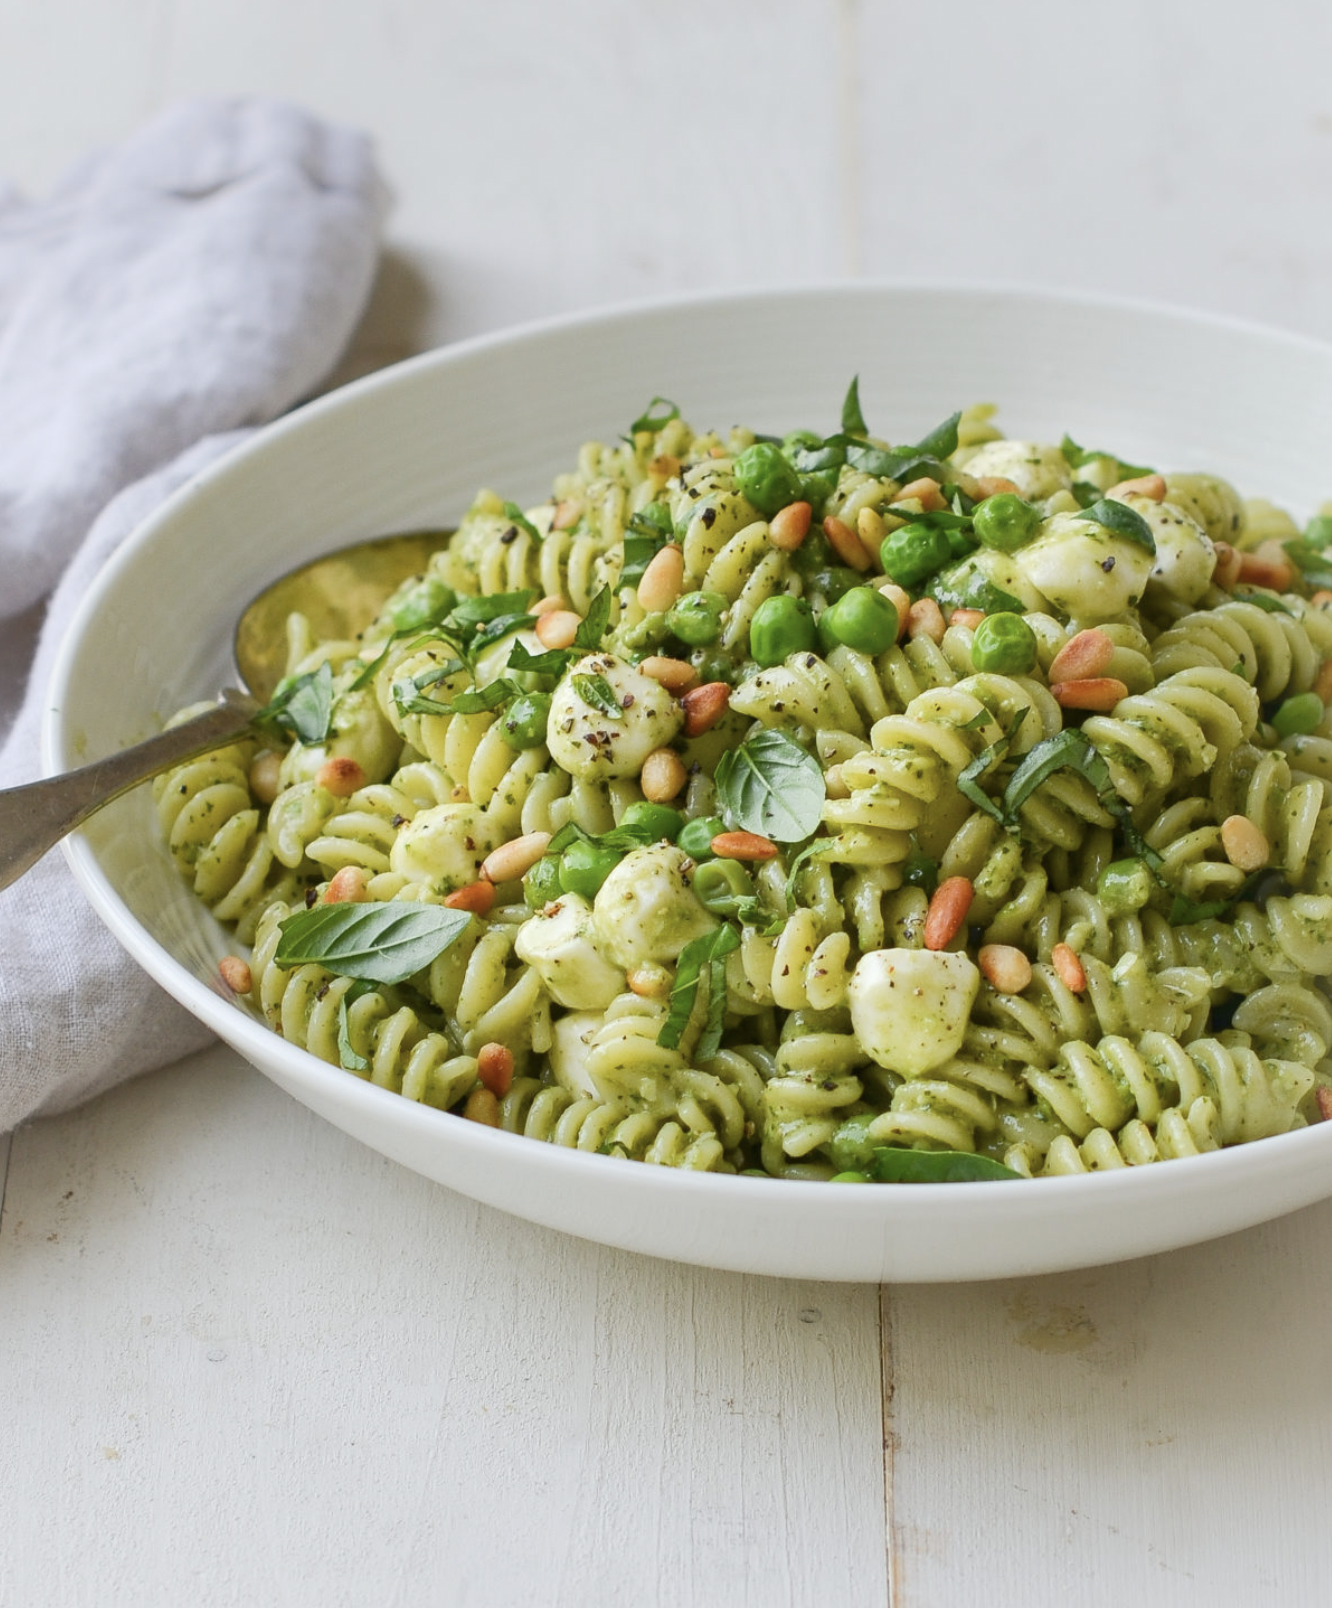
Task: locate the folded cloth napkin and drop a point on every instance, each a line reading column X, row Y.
column 202, row 277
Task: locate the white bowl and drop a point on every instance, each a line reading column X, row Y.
column 409, row 447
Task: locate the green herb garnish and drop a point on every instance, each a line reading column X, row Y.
column 381, row 943
column 302, row 705
column 597, row 693
column 515, row 514
column 771, row 786
column 1121, row 520
column 895, row 1166
column 707, row 953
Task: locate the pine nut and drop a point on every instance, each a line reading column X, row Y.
column 347, row 886
column 970, row 618
column 1089, row 653
column 264, row 776
column 1245, row 844
column 663, row 776
column 547, row 605
column 924, row 491
column 1152, row 486
column 925, row 619
column 494, row 1066
column 947, row 911
column 834, row 783
column 1323, row 681
column 663, row 580
column 743, row 846
column 235, row 973
column 704, row 706
column 482, row 1107
column 994, row 485
column 1263, row 567
column 557, row 628
column 1004, row 967
column 901, row 601
column 1321, row 599
column 673, row 674
column 567, row 513
column 1226, row 570
column 789, row 526
column 340, row 776
column 478, row 897
column 1068, row 968
column 649, row 982
column 1100, row 693
column 871, row 529
column 511, row 860
column 665, row 464
column 1323, row 1095
column 847, row 545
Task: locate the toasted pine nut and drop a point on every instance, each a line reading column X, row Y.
column 482, row 1107
column 789, row 526
column 1068, row 968
column 1321, row 599
column 662, row 580
column 458, row 794
column 1100, row 693
column 547, row 605
column 557, row 628
column 901, row 601
column 993, row 485
column 1260, row 568
column 834, row 784
column 673, row 674
column 704, row 706
column 347, row 886
column 494, row 1066
column 1004, row 967
column 743, row 846
column 649, row 982
column 567, row 513
column 1245, row 844
column 970, row 618
column 478, row 897
column 665, row 464
column 1089, row 653
column 235, row 973
column 925, row 619
column 340, row 776
column 924, row 491
column 1323, row 1096
column 1226, row 570
column 1152, row 486
column 663, row 776
column 264, row 770
column 947, row 911
column 871, row 529
column 1323, row 681
column 847, row 545
column 508, row 862
column 718, row 451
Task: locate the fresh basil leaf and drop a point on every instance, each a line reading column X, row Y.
column 1184, row 910
column 382, row 943
column 942, row 519
column 589, row 634
column 968, row 782
column 919, row 870
column 408, row 699
column 823, row 459
column 1066, row 750
column 494, row 631
column 942, row 440
column 771, row 786
column 1261, row 600
column 965, row 586
column 647, row 533
column 621, row 838
column 894, row 1166
column 597, row 693
column 554, row 662
column 1318, row 532
column 816, row 846
column 474, row 611
column 651, row 419
column 515, row 514
column 302, row 705
column 1076, row 457
column 1121, row 520
column 1086, row 493
column 709, row 953
column 853, row 420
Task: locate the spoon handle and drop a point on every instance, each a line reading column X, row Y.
column 34, row 818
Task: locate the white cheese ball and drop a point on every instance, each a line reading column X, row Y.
column 558, row 944
column 910, row 1007
column 1038, row 472
column 571, row 1040
column 1185, row 555
column 445, row 846
column 1084, row 569
column 589, row 743
column 646, row 910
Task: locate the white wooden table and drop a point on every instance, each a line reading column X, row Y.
column 245, row 1361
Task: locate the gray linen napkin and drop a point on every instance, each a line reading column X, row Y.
column 202, row 277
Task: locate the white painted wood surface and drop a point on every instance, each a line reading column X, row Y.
column 245, row 1361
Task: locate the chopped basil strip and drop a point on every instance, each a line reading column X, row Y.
column 302, row 705
column 894, row 1166
column 647, row 533
column 589, row 634
column 771, row 786
column 514, row 513
column 1262, row 600
column 597, row 693
column 801, row 861
column 707, row 952
column 651, row 419
column 1077, row 457
column 382, row 943
column 1122, row 520
column 853, row 420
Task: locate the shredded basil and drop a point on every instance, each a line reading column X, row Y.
column 597, row 693
column 707, row 952
column 771, row 786
column 853, row 420
column 894, row 1166
column 588, row 636
column 1262, row 600
column 515, row 514
column 302, row 705
column 965, row 586
column 381, row 943
column 620, row 838
column 651, row 419
column 1078, row 457
column 1121, row 520
column 816, row 846
column 554, row 662
column 646, row 534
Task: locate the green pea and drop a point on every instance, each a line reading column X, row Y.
column 523, row 724
column 834, row 582
column 1124, row 887
column 542, row 883
column 712, row 666
column 1300, row 715
column 766, row 478
column 424, row 602
column 696, row 836
column 659, row 819
column 862, row 619
column 852, row 1149
column 1005, row 521
column 696, row 618
column 719, row 884
column 1004, row 644
column 781, row 626
column 913, row 553
column 585, row 866
column 814, row 553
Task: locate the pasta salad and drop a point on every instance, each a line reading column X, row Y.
column 811, row 807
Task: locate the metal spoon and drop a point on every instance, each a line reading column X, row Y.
column 339, row 594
